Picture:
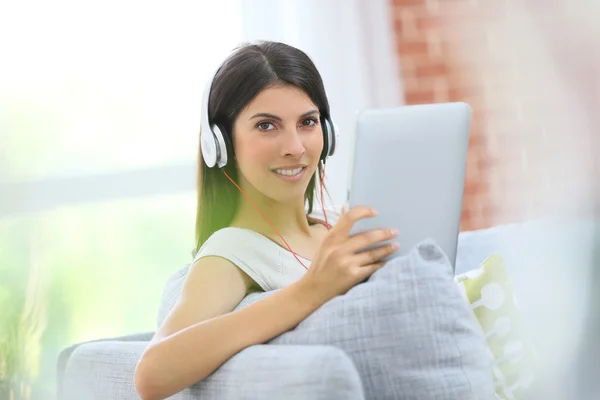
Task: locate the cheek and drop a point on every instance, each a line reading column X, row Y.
column 316, row 142
column 252, row 151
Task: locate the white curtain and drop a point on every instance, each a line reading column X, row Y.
column 352, row 45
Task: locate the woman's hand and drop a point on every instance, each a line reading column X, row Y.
column 340, row 263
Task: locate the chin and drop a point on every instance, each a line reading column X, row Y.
column 288, row 192
column 290, row 197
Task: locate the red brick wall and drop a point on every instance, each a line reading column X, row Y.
column 524, row 151
column 430, row 73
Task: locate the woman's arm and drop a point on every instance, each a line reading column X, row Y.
column 201, row 333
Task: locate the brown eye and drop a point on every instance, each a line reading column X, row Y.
column 309, row 122
column 265, row 126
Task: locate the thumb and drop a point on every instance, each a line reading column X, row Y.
column 341, row 213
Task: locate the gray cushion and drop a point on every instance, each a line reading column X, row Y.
column 407, row 329
column 170, row 294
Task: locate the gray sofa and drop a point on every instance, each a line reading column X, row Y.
column 104, row 369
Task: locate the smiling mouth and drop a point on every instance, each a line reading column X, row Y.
column 289, row 172
column 290, row 175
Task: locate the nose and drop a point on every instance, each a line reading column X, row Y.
column 292, row 144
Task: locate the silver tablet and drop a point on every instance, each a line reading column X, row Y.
column 409, row 164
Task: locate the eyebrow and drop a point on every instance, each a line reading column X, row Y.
column 277, row 118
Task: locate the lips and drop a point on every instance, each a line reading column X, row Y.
column 289, row 171
column 290, row 175
column 294, row 166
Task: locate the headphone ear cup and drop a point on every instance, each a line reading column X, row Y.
column 329, row 139
column 334, row 138
column 227, row 140
column 221, row 146
column 209, row 148
column 325, row 129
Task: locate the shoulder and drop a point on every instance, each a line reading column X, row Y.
column 240, row 247
column 221, row 241
column 332, row 214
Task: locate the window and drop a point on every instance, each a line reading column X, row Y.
column 99, row 121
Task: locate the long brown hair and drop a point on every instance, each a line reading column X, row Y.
column 243, row 75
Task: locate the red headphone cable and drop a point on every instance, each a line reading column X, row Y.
column 269, row 222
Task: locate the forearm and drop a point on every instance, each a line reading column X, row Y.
column 190, row 355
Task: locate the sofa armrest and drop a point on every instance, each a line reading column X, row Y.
column 65, row 354
column 104, row 370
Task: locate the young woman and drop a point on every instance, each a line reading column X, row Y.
column 252, row 229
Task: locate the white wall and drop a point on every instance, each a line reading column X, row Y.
column 352, row 45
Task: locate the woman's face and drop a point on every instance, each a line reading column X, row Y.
column 278, row 142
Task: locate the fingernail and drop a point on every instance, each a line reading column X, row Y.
column 375, row 212
column 395, row 246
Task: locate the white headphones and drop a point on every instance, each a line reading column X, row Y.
column 212, row 140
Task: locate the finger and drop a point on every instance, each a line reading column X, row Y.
column 366, row 239
column 348, row 220
column 375, row 266
column 368, row 270
column 374, row 256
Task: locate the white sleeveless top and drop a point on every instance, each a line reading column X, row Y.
column 270, row 265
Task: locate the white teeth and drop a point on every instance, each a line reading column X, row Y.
column 288, row 172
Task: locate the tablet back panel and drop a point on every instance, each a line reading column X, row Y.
column 409, row 164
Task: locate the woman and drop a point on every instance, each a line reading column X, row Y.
column 269, row 102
